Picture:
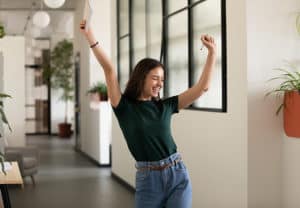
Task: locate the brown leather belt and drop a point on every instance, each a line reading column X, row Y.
column 161, row 167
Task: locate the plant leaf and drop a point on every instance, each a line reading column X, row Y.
column 4, row 119
column 287, row 72
column 2, row 95
column 279, row 108
column 2, row 164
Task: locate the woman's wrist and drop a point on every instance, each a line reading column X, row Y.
column 90, row 38
column 212, row 52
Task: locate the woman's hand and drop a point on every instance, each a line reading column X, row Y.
column 209, row 43
column 85, row 32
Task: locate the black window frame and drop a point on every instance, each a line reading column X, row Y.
column 164, row 47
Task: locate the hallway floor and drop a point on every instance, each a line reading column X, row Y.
column 67, row 179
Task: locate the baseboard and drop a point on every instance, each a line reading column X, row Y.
column 123, row 182
column 92, row 160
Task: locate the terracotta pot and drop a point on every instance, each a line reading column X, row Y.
column 291, row 114
column 97, row 97
column 64, row 130
column 103, row 97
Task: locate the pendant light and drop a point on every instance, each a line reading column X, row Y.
column 54, row 3
column 41, row 18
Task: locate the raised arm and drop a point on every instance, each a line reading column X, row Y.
column 189, row 96
column 113, row 88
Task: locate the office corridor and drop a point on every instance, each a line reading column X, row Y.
column 67, row 179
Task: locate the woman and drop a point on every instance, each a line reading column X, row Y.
column 162, row 179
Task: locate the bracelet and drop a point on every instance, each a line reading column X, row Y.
column 93, row 45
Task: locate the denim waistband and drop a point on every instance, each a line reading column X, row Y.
column 170, row 159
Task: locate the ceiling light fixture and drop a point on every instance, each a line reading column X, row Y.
column 54, row 3
column 41, row 18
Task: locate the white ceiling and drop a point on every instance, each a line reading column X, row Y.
column 26, row 4
column 14, row 15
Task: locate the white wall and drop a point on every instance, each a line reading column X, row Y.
column 13, row 49
column 273, row 158
column 91, row 71
column 274, row 162
column 213, row 145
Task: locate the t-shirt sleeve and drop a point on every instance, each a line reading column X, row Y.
column 121, row 107
column 172, row 104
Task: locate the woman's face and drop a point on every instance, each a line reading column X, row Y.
column 153, row 83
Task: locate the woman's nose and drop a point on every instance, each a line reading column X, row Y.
column 160, row 83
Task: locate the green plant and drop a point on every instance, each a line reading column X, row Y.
column 60, row 71
column 5, row 121
column 98, row 87
column 298, row 23
column 2, row 31
column 290, row 81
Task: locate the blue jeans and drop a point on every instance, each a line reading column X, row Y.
column 167, row 188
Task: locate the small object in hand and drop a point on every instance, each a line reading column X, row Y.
column 202, row 47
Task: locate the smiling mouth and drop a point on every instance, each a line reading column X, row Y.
column 156, row 89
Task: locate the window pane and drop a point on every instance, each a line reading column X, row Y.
column 207, row 20
column 124, row 17
column 139, row 30
column 178, row 54
column 154, row 31
column 147, row 31
column 124, row 62
column 175, row 5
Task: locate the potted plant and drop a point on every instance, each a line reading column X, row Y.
column 4, row 120
column 60, row 76
column 289, row 87
column 98, row 92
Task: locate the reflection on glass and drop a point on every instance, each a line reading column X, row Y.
column 207, row 20
column 124, row 17
column 154, row 30
column 147, row 23
column 124, row 62
column 176, row 5
column 139, row 30
column 178, row 54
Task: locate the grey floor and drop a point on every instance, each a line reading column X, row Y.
column 67, row 179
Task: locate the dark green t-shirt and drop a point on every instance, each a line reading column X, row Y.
column 146, row 126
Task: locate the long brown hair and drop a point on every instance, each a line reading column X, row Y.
column 136, row 82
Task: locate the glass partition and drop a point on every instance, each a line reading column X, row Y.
column 206, row 19
column 170, row 31
column 177, row 56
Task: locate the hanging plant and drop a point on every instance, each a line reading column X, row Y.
column 290, row 81
column 289, row 87
column 2, row 31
